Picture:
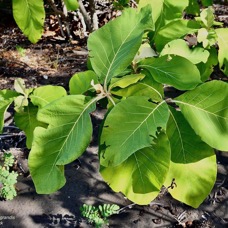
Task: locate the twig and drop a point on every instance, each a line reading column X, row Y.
column 126, row 207
column 93, row 13
column 56, row 11
column 87, row 19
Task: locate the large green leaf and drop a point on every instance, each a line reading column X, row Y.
column 147, row 87
column 6, row 98
column 43, row 95
column 189, row 155
column 174, row 30
column 29, row 16
column 176, row 71
column 142, row 175
column 206, row 109
column 222, row 34
column 164, row 11
column 180, row 47
column 27, row 122
column 81, row 82
column 129, row 127
column 66, row 138
column 113, row 46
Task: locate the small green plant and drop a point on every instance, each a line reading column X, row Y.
column 20, row 50
column 8, row 178
column 99, row 215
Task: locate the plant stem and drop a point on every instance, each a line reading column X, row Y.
column 110, row 98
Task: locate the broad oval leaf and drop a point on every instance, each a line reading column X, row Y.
column 189, row 155
column 6, row 98
column 206, row 110
column 114, row 46
column 222, row 34
column 142, row 175
column 43, row 95
column 81, row 82
column 66, row 138
column 29, row 16
column 180, row 47
column 130, row 126
column 176, row 71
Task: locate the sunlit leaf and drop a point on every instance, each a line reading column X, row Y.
column 180, row 47
column 71, row 5
column 130, row 126
column 114, row 46
column 29, row 16
column 142, row 175
column 223, row 49
column 189, row 154
column 147, row 87
column 68, row 134
column 206, row 109
column 27, row 121
column 176, row 71
column 174, row 30
column 81, row 82
column 43, row 95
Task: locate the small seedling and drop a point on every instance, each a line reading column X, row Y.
column 99, row 215
column 20, row 50
column 8, row 178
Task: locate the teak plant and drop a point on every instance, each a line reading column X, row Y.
column 147, row 140
column 8, row 178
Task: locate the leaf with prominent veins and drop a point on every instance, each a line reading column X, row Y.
column 206, row 110
column 114, row 46
column 142, row 175
column 67, row 136
column 176, row 71
column 131, row 125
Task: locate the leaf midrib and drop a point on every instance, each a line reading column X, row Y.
column 65, row 141
column 152, row 112
column 203, row 110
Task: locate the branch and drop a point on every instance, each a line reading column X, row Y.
column 87, row 18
